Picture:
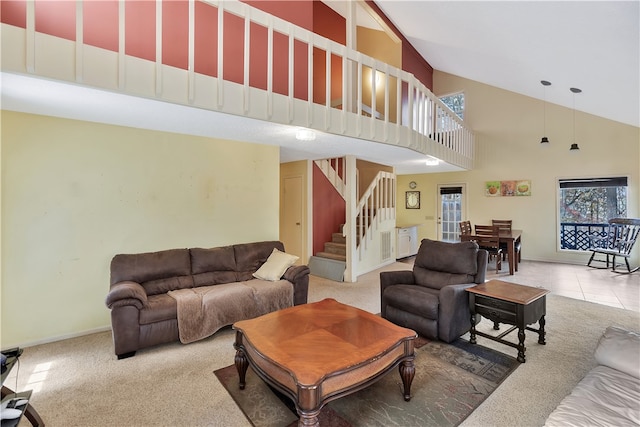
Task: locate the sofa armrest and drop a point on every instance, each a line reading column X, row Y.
column 298, row 275
column 454, row 317
column 390, row 278
column 126, row 293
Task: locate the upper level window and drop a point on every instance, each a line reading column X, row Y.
column 586, row 205
column 456, row 103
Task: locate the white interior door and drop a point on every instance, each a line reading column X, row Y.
column 291, row 222
column 451, row 210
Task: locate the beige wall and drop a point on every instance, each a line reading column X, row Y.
column 76, row 193
column 508, row 129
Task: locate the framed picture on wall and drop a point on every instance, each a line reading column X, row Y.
column 412, row 199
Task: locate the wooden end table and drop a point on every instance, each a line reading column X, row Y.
column 504, row 302
column 318, row 352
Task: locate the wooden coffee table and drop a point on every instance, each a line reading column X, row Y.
column 504, row 302
column 318, row 352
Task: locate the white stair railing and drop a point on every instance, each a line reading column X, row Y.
column 334, row 170
column 377, row 204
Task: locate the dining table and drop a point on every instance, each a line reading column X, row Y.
column 511, row 238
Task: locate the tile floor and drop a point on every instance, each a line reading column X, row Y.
column 600, row 286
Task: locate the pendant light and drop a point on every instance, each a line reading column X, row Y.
column 544, row 139
column 574, row 145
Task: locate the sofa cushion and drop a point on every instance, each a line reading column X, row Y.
column 214, row 278
column 413, row 299
column 214, row 259
column 150, row 266
column 250, row 256
column 275, row 266
column 619, row 349
column 457, row 258
column 162, row 286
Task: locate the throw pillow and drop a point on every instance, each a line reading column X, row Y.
column 275, row 266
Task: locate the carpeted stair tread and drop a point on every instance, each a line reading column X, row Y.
column 329, row 255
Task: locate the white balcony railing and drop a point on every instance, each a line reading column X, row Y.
column 327, row 86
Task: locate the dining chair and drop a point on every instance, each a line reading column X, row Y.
column 486, row 236
column 505, row 225
column 465, row 227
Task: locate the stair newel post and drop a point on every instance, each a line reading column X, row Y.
column 351, row 200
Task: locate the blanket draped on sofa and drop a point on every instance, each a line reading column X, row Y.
column 204, row 310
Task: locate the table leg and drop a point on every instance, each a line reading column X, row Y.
column 511, row 251
column 541, row 332
column 241, row 365
column 309, row 418
column 521, row 347
column 472, row 332
column 407, row 372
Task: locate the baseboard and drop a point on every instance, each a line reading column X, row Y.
column 62, row 337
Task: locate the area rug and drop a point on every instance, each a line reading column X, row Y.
column 451, row 381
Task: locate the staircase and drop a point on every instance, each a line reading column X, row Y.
column 332, row 262
column 336, row 249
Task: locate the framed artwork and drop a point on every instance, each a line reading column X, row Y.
column 492, row 188
column 412, row 199
column 507, row 188
column 523, row 188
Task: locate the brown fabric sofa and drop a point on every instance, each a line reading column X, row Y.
column 431, row 299
column 143, row 314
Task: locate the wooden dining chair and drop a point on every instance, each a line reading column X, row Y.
column 486, row 236
column 505, row 225
column 465, row 227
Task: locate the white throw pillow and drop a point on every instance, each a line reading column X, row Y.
column 275, row 266
column 619, row 349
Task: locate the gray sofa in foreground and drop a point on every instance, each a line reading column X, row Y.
column 431, row 299
column 609, row 395
column 206, row 288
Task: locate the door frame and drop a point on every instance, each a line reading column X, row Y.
column 463, row 205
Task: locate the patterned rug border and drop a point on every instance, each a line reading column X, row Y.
column 451, row 379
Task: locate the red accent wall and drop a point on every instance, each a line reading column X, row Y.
column 100, row 27
column 56, row 18
column 175, row 34
column 206, row 39
column 258, row 56
column 14, row 12
column 299, row 12
column 280, row 63
column 329, row 210
column 329, row 24
column 140, row 29
column 233, row 41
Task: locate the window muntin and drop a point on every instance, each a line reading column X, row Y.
column 585, row 207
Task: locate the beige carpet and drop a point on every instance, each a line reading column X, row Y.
column 79, row 382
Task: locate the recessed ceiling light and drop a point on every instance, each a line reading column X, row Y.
column 305, row 135
column 432, row 161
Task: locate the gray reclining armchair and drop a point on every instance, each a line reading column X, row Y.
column 432, row 299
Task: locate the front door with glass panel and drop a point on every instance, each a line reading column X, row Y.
column 450, row 211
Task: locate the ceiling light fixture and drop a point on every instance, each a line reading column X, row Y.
column 432, row 161
column 574, row 145
column 305, row 135
column 544, row 139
